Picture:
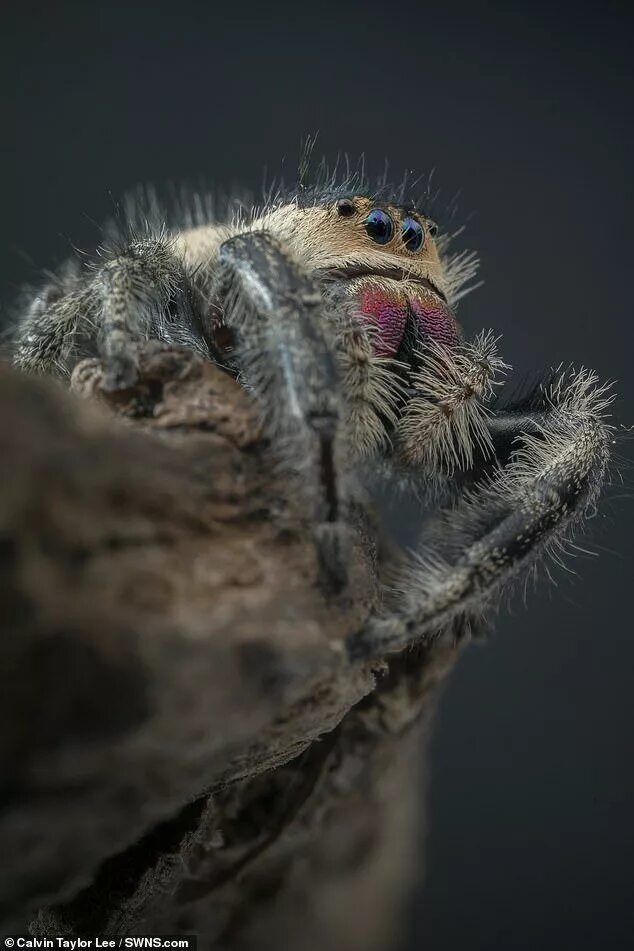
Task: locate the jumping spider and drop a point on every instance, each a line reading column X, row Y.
column 335, row 306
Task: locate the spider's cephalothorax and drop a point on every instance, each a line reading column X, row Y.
column 335, row 307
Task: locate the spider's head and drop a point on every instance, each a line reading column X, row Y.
column 384, row 261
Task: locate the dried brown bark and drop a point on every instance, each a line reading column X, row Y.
column 185, row 744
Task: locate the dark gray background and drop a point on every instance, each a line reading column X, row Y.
column 527, row 112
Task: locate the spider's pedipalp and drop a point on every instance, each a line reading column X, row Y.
column 446, row 421
column 550, row 483
column 371, row 387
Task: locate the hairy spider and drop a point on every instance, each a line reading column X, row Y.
column 335, row 306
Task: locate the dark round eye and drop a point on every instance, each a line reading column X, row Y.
column 432, row 227
column 346, row 207
column 413, row 234
column 379, row 226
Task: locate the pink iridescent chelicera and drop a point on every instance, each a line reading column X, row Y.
column 388, row 312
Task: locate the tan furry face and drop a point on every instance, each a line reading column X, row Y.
column 383, row 260
column 336, row 236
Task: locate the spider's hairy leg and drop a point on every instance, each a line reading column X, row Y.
column 143, row 293
column 44, row 338
column 137, row 293
column 551, row 480
column 446, row 420
column 283, row 349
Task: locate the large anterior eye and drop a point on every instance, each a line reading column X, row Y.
column 413, row 234
column 379, row 226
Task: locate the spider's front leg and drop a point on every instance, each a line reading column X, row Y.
column 145, row 295
column 554, row 456
column 284, row 354
column 136, row 293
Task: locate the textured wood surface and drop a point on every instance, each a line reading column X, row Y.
column 168, row 662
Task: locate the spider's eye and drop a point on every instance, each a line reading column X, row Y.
column 432, row 227
column 379, row 226
column 413, row 234
column 346, row 207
